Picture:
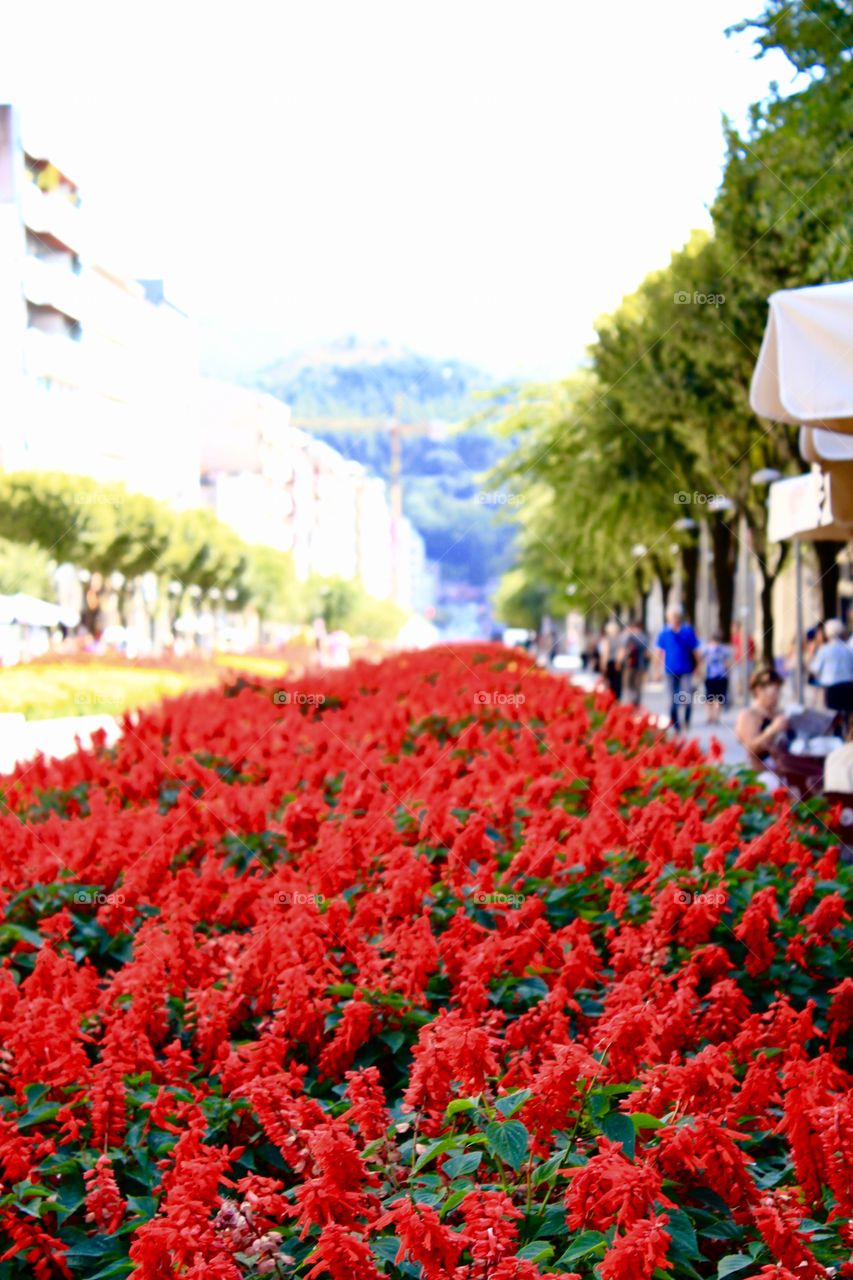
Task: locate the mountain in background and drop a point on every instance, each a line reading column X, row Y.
column 442, row 471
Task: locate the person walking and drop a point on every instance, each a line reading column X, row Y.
column 678, row 643
column 610, row 657
column 832, row 664
column 635, row 661
column 716, row 658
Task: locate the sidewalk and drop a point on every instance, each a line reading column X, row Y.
column 21, row 739
column 656, row 700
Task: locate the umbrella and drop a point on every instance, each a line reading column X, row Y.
column 804, row 373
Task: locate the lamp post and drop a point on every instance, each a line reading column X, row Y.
column 761, row 478
column 767, row 476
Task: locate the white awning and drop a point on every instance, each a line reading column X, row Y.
column 827, row 448
column 804, row 373
column 814, row 507
column 29, row 611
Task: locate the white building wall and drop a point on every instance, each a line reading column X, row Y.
column 97, row 379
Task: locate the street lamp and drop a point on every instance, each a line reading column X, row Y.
column 764, row 476
column 767, row 476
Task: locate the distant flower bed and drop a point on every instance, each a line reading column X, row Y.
column 436, row 967
column 80, row 684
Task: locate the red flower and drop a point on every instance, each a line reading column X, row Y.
column 104, row 1203
column 490, row 1220
column 423, row 1238
column 610, row 1188
column 635, row 1255
column 45, row 1255
column 368, row 1109
column 342, row 1256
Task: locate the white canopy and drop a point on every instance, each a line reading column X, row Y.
column 32, row 612
column 804, row 372
column 806, row 507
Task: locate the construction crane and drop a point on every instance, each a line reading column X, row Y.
column 396, row 429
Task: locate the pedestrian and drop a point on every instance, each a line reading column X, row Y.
column 760, row 724
column 610, row 657
column 832, row 664
column 716, row 658
column 590, row 652
column 678, row 643
column 635, row 662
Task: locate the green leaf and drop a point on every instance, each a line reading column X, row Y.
column 455, row 1198
column 512, row 1102
column 587, row 1242
column 455, row 1166
column 508, row 1141
column 733, row 1262
column 433, row 1150
column 460, row 1104
column 642, row 1120
column 546, row 1171
column 682, row 1234
column 536, row 1251
column 114, row 1270
column 619, row 1128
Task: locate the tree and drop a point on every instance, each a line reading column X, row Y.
column 575, row 474
column 816, row 37
column 25, row 567
column 269, row 581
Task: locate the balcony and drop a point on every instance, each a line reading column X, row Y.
column 53, row 357
column 52, row 214
column 49, row 284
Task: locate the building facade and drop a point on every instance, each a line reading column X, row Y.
column 99, row 370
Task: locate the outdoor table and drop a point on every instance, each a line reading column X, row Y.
column 802, row 774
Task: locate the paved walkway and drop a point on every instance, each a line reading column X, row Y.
column 656, row 700
column 21, row 739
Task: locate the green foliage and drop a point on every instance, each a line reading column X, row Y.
column 50, row 516
column 817, row 36
column 618, row 458
column 343, row 604
column 24, row 567
column 271, row 584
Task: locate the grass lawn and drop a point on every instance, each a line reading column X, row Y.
column 43, row 690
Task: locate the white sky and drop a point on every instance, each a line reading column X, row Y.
column 473, row 178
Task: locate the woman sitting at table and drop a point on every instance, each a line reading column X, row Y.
column 760, row 724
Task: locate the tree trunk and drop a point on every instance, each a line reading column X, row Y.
column 690, row 571
column 769, row 574
column 664, row 574
column 641, row 608
column 725, row 557
column 830, row 575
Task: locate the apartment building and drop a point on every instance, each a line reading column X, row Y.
column 99, row 370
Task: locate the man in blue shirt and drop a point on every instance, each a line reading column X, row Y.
column 678, row 642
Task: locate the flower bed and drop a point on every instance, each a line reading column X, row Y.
column 435, row 968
